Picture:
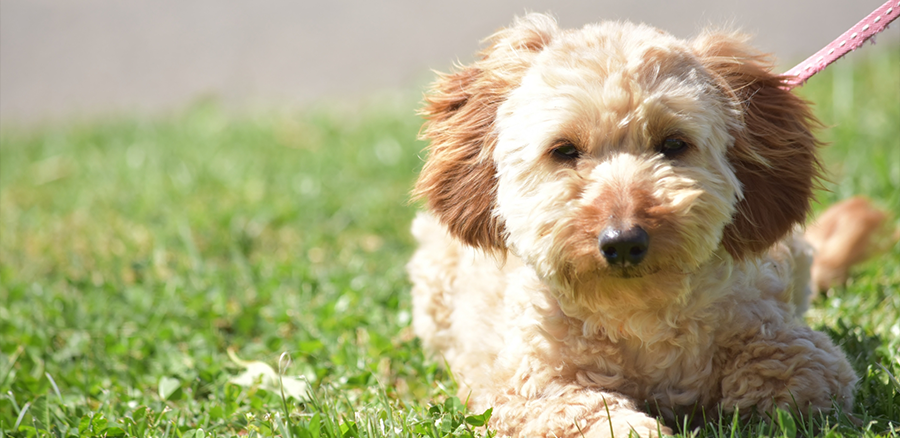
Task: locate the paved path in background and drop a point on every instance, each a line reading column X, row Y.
column 62, row 59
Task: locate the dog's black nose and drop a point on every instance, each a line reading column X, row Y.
column 621, row 247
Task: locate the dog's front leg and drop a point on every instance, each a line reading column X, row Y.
column 533, row 407
column 789, row 366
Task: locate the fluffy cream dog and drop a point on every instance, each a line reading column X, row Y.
column 609, row 233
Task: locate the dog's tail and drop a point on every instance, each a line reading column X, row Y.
column 849, row 232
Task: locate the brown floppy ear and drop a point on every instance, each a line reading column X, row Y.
column 774, row 154
column 458, row 180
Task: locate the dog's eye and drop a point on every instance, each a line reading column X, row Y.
column 566, row 152
column 672, row 147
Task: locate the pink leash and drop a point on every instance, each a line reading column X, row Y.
column 851, row 40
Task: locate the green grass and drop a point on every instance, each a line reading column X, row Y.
column 135, row 253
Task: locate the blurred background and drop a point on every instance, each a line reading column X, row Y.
column 63, row 59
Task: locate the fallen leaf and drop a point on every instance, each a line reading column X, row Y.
column 261, row 373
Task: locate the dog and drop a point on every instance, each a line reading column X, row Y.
column 611, row 233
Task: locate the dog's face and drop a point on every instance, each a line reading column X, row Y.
column 616, row 154
column 608, row 137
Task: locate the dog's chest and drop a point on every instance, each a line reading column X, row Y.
column 680, row 371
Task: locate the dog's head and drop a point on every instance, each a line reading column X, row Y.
column 616, row 151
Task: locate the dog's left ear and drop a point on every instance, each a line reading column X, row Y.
column 774, row 153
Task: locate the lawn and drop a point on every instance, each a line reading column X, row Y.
column 143, row 259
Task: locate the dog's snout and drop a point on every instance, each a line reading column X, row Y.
column 621, row 247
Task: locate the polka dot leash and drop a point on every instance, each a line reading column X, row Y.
column 876, row 22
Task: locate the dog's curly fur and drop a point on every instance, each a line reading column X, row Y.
column 554, row 136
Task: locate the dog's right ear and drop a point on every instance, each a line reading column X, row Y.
column 458, row 180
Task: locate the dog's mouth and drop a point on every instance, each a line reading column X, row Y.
column 631, row 272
